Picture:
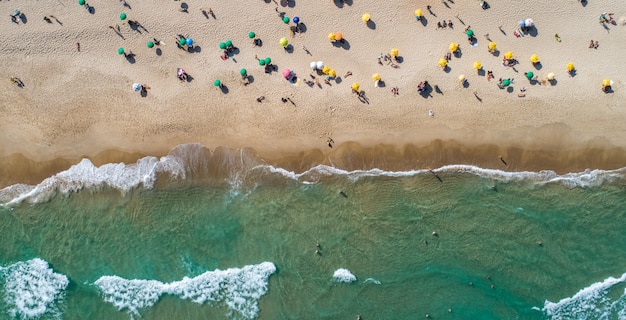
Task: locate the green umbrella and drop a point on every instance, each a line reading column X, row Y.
column 217, row 83
column 506, row 82
column 120, row 51
column 286, row 19
column 229, row 43
column 243, row 72
column 81, row 2
column 182, row 42
column 150, row 44
column 262, row 62
column 469, row 33
column 251, row 34
column 268, row 60
column 529, row 75
column 123, row 16
column 222, row 45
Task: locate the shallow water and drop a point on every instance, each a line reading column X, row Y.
column 487, row 223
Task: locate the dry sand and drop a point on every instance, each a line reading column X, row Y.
column 80, row 104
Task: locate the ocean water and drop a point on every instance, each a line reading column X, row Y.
column 203, row 234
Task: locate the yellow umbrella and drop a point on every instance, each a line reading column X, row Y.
column 492, row 46
column 338, row 36
column 534, row 58
column 550, row 76
column 478, row 65
column 443, row 62
column 356, row 86
column 365, row 17
column 570, row 67
column 461, row 78
column 331, row 36
column 326, row 70
column 508, row 55
column 332, row 72
column 394, row 52
column 376, row 76
column 606, row 82
column 453, row 46
column 419, row 13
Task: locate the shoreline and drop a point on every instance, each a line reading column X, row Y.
column 349, row 156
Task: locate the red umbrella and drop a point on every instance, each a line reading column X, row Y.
column 286, row 73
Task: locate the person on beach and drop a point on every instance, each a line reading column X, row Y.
column 489, row 75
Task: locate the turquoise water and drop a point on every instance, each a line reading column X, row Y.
column 182, row 220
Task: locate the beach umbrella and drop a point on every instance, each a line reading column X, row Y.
column 222, row 45
column 394, row 52
column 529, row 75
column 251, row 35
column 521, row 23
column 506, row 82
column 534, row 58
column 478, row 65
column 296, row 20
column 453, row 46
column 461, row 78
column 319, row 65
column 443, row 62
column 355, row 86
column 189, row 42
column 606, row 82
column 16, row 13
column 136, row 86
column 243, row 72
column 150, row 44
column 338, row 36
column 122, row 16
column 492, row 46
column 376, row 77
column 286, row 19
column 529, row 22
column 217, row 83
column 332, row 73
column 120, row 51
column 419, row 13
column 228, row 43
column 313, row 65
column 508, row 55
column 262, row 62
column 182, row 42
column 283, row 42
column 331, row 36
column 268, row 60
column 365, row 17
column 286, row 73
column 469, row 33
column 570, row 67
column 550, row 76
column 326, row 70
column 81, row 2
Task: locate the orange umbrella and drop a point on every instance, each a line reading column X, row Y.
column 338, row 36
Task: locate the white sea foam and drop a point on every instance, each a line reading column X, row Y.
column 85, row 175
column 371, row 280
column 593, row 302
column 344, row 276
column 32, row 289
column 240, row 289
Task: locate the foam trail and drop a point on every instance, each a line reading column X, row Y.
column 371, row 280
column 344, row 276
column 32, row 289
column 592, row 302
column 240, row 289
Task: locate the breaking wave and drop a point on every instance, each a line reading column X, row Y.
column 344, row 276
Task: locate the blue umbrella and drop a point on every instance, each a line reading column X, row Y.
column 189, row 41
column 521, row 23
column 296, row 20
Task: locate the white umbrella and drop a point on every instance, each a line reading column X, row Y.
column 137, row 86
column 313, row 65
column 320, row 65
column 529, row 22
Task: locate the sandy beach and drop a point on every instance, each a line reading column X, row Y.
column 79, row 103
